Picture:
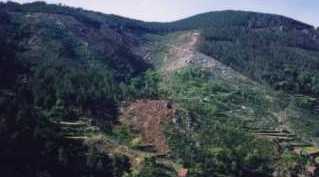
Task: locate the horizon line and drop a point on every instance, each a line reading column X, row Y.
column 150, row 21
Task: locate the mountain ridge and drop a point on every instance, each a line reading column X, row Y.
column 13, row 5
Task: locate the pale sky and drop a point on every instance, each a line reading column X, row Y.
column 170, row 10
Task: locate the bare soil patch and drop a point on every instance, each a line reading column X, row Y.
column 147, row 117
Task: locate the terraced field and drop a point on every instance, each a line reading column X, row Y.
column 140, row 132
column 277, row 119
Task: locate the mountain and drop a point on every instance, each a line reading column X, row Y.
column 226, row 93
column 280, row 51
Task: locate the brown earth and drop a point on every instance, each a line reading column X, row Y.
column 147, row 118
column 183, row 52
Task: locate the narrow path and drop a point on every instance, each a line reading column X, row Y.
column 84, row 132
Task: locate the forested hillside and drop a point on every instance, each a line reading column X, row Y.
column 60, row 64
column 226, row 93
column 283, row 56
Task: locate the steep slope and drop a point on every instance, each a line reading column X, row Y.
column 182, row 51
column 280, row 57
column 46, row 31
column 65, row 73
column 61, row 64
column 179, row 52
column 206, row 92
column 267, row 48
column 184, row 55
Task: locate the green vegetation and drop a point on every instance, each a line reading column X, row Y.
column 59, row 77
column 65, row 73
column 206, row 137
column 291, row 164
column 151, row 169
column 273, row 55
column 245, row 103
